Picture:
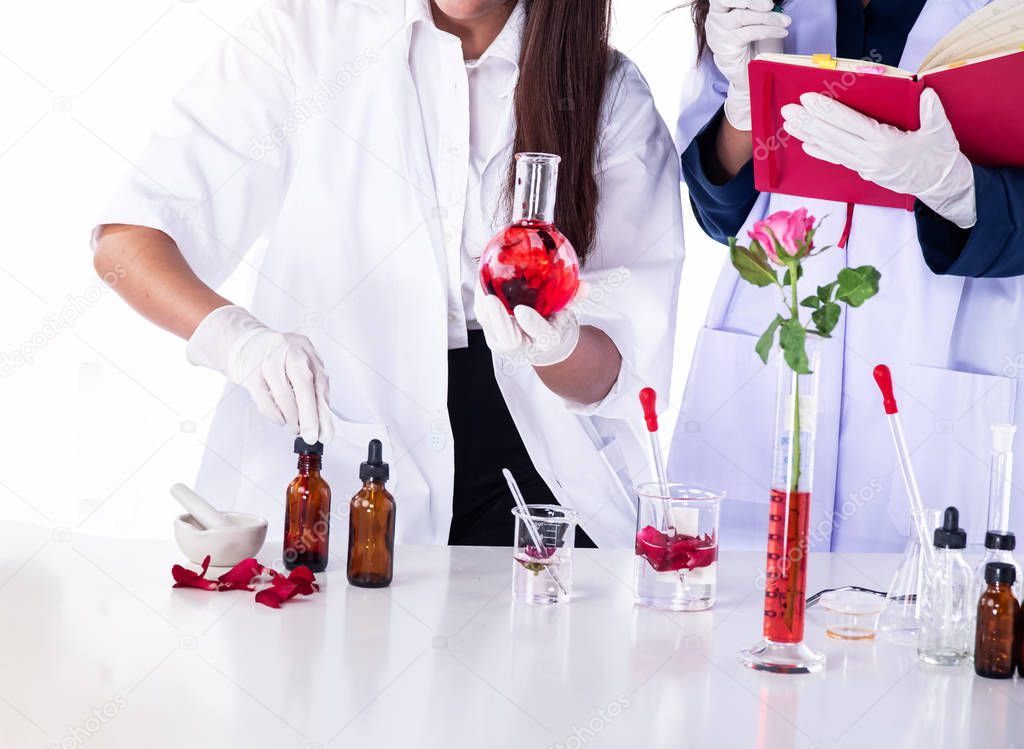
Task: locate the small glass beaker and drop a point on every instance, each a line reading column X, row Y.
column 676, row 547
column 542, row 555
column 901, row 618
column 851, row 614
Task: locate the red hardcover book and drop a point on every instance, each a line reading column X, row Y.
column 976, row 70
column 780, row 164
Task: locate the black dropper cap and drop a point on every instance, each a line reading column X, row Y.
column 374, row 467
column 1000, row 541
column 950, row 536
column 304, row 448
column 1000, row 572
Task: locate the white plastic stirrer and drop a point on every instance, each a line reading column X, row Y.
column 538, row 544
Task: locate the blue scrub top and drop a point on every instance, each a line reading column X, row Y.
column 993, row 248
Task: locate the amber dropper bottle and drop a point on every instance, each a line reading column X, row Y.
column 371, row 525
column 307, row 514
column 995, row 644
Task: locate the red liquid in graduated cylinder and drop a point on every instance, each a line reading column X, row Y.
column 785, row 593
column 530, row 263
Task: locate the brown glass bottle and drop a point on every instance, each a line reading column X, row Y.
column 995, row 644
column 307, row 513
column 371, row 525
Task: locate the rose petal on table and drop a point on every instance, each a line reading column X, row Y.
column 241, row 576
column 186, row 578
column 270, row 597
column 304, row 580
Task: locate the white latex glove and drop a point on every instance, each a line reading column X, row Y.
column 732, row 28
column 281, row 371
column 926, row 163
column 528, row 335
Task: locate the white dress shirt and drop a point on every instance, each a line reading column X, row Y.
column 463, row 104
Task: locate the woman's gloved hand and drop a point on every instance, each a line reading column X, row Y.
column 732, row 27
column 926, row 163
column 540, row 341
column 281, row 371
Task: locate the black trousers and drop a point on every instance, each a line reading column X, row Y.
column 486, row 440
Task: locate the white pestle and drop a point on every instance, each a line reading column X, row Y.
column 205, row 514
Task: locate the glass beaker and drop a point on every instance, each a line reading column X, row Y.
column 676, row 547
column 901, row 618
column 542, row 554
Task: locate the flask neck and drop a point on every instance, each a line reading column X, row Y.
column 536, row 188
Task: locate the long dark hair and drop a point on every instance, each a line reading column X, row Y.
column 699, row 9
column 563, row 69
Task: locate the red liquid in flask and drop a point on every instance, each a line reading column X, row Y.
column 785, row 592
column 531, row 263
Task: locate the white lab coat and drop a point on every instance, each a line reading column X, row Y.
column 306, row 129
column 955, row 345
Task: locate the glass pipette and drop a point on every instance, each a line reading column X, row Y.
column 648, row 400
column 884, row 379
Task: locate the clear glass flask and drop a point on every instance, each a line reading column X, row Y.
column 542, row 554
column 946, row 637
column 531, row 262
column 676, row 547
column 901, row 618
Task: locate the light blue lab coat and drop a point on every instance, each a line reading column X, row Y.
column 955, row 345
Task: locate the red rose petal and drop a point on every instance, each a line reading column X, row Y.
column 669, row 554
column 246, row 576
column 270, row 597
column 241, row 576
column 186, row 578
column 304, row 580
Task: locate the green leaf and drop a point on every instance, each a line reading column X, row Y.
column 812, row 302
column 792, row 338
column 788, row 278
column 826, row 318
column 752, row 263
column 857, row 285
column 764, row 343
column 825, row 292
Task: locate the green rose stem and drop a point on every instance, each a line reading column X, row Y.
column 794, row 485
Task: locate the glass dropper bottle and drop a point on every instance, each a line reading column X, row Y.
column 307, row 516
column 371, row 529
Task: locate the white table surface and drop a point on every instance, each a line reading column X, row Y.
column 98, row 650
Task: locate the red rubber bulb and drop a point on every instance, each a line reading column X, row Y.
column 648, row 399
column 884, row 379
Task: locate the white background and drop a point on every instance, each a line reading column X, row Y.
column 106, row 413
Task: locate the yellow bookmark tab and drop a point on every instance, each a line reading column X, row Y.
column 958, row 64
column 825, row 61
